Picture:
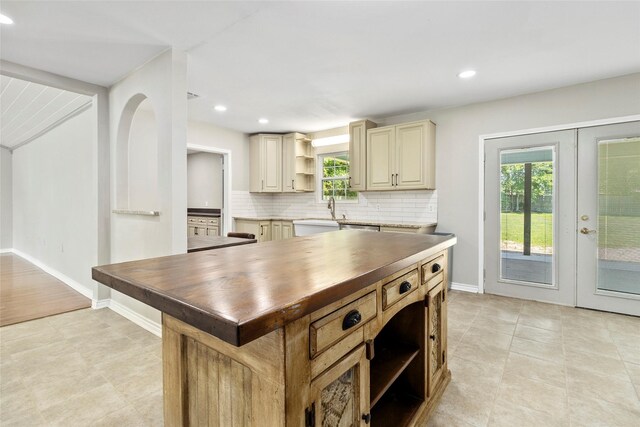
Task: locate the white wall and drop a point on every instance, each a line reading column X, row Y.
column 204, row 180
column 457, row 144
column 54, row 199
column 237, row 143
column 143, row 160
column 163, row 81
column 6, row 199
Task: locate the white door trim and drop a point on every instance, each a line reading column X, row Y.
column 226, row 197
column 482, row 138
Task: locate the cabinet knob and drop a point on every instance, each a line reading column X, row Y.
column 366, row 418
column 351, row 319
column 404, row 287
column 436, row 267
column 432, row 337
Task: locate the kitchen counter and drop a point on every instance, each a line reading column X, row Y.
column 208, row 212
column 239, row 294
column 408, row 225
column 204, row 243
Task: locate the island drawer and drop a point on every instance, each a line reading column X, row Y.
column 399, row 288
column 432, row 267
column 336, row 325
column 213, row 221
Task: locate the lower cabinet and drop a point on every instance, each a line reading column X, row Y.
column 340, row 396
column 202, row 226
column 436, row 335
column 265, row 230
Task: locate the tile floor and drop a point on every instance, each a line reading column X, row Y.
column 514, row 363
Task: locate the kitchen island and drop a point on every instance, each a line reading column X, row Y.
column 340, row 328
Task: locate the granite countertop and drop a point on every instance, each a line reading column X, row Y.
column 346, row 221
column 241, row 293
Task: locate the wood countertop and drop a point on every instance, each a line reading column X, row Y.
column 204, row 243
column 241, row 293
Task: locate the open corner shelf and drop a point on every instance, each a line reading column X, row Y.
column 386, row 367
column 396, row 405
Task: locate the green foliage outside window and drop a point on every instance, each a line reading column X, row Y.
column 335, row 177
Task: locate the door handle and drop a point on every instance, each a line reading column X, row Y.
column 585, row 230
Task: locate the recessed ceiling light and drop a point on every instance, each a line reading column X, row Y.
column 4, row 19
column 220, row 108
column 467, row 74
column 263, row 121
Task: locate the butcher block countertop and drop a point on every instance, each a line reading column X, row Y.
column 241, row 293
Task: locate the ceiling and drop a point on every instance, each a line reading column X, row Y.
column 315, row 65
column 28, row 109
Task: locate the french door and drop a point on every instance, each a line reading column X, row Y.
column 608, row 220
column 530, row 216
column 562, row 217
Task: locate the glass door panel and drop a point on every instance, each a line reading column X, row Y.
column 618, row 232
column 527, row 179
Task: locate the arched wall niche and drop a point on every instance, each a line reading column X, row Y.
column 137, row 156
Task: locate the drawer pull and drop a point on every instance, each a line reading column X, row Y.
column 351, row 319
column 404, row 288
column 436, row 267
column 432, row 337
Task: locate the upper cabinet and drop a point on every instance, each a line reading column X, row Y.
column 358, row 154
column 401, row 157
column 265, row 163
column 298, row 166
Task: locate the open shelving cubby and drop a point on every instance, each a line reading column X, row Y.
column 397, row 370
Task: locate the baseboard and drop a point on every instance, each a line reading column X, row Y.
column 98, row 304
column 144, row 322
column 58, row 275
column 6, row 250
column 464, row 287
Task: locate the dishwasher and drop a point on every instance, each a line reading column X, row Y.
column 359, row 227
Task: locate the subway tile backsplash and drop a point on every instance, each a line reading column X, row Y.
column 386, row 206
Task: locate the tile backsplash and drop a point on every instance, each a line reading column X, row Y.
column 387, row 206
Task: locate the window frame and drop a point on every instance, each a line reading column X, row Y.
column 320, row 174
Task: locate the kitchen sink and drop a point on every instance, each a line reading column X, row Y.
column 306, row 227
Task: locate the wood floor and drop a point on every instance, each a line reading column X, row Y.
column 27, row 292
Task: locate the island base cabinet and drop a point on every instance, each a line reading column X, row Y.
column 340, row 396
column 208, row 382
column 354, row 362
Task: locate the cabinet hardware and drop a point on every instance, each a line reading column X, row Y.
column 366, row 418
column 351, row 319
column 436, row 267
column 432, row 337
column 404, row 287
column 370, row 350
column 310, row 416
column 396, row 180
column 293, row 184
column 392, row 184
column 262, row 184
column 444, row 356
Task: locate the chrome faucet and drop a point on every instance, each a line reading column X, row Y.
column 332, row 207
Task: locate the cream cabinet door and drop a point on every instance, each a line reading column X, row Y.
column 247, row 226
column 265, row 231
column 410, row 156
column 380, row 158
column 287, row 230
column 358, row 154
column 289, row 163
column 272, row 163
column 276, row 230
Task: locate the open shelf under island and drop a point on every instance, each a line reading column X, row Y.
column 333, row 329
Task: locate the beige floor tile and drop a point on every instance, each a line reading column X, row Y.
column 125, row 417
column 441, row 419
column 52, row 390
column 634, row 372
column 596, row 363
column 506, row 414
column 83, row 409
column 533, row 394
column 583, row 383
column 489, row 356
column 536, row 369
column 620, row 323
column 587, row 412
column 486, row 338
column 547, row 351
column 462, row 401
column 494, row 324
column 540, row 321
column 538, row 334
column 507, row 314
column 629, row 353
column 150, row 407
column 602, row 347
column 541, row 309
column 475, row 374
